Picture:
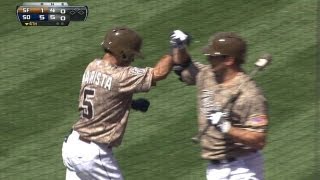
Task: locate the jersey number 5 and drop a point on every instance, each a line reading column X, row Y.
column 87, row 104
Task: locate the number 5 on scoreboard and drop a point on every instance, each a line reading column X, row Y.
column 52, row 17
column 42, row 17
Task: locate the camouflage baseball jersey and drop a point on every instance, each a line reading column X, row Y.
column 249, row 111
column 105, row 100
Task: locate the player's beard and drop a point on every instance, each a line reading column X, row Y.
column 219, row 70
column 220, row 74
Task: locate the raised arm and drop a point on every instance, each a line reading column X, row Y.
column 183, row 66
column 162, row 68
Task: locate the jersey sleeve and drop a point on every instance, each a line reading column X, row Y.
column 135, row 79
column 257, row 119
column 189, row 75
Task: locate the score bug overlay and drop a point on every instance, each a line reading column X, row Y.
column 50, row 13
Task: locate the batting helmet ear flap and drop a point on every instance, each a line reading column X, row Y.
column 126, row 56
column 123, row 56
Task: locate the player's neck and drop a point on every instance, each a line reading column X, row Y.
column 110, row 59
column 230, row 74
column 113, row 60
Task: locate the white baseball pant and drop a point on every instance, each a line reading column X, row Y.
column 89, row 160
column 249, row 167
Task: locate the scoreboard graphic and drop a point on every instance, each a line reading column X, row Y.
column 50, row 13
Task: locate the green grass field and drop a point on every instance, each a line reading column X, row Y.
column 41, row 69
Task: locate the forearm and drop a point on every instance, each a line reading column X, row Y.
column 162, row 68
column 252, row 139
column 180, row 56
column 183, row 66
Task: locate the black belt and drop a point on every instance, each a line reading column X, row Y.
column 89, row 141
column 80, row 138
column 223, row 161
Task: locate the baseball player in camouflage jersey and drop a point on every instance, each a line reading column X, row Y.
column 237, row 130
column 108, row 85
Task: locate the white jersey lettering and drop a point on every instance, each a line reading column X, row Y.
column 108, row 83
column 97, row 78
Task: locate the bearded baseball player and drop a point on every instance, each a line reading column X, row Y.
column 232, row 111
column 105, row 100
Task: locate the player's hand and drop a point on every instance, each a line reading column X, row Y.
column 218, row 120
column 140, row 104
column 179, row 39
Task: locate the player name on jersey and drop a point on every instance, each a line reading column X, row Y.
column 50, row 13
column 97, row 78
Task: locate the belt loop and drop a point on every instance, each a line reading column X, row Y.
column 67, row 136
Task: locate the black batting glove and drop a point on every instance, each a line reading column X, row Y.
column 140, row 104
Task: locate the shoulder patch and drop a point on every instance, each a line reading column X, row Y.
column 257, row 120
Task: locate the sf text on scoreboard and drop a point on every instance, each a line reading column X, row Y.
column 50, row 13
